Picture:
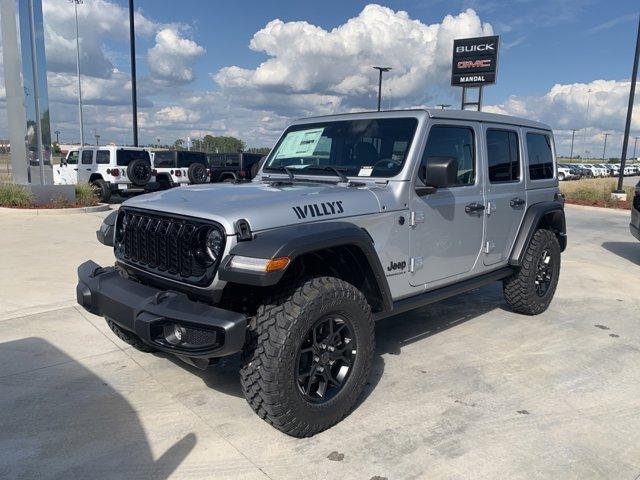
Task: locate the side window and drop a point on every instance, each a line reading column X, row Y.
column 503, row 156
column 72, row 159
column 540, row 156
column 103, row 157
column 456, row 142
column 87, row 157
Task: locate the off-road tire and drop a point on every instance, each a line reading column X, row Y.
column 197, row 173
column 103, row 192
column 139, row 172
column 520, row 288
column 130, row 338
column 269, row 359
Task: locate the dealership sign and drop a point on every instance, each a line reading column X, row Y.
column 475, row 61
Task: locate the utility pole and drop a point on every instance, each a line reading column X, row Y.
column 95, row 134
column 380, row 69
column 573, row 136
column 134, row 94
column 584, row 144
column 604, row 150
column 627, row 126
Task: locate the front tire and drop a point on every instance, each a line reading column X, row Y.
column 530, row 290
column 309, row 356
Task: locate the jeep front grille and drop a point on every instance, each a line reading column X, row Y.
column 164, row 245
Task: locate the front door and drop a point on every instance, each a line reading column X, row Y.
column 505, row 192
column 86, row 165
column 446, row 236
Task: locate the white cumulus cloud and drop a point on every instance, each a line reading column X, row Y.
column 171, row 58
column 336, row 64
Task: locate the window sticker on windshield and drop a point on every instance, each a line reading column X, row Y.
column 300, row 144
column 365, row 171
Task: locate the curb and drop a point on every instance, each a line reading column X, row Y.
column 103, row 207
column 598, row 209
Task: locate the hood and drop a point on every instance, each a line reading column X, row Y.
column 263, row 205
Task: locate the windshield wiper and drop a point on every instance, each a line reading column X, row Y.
column 285, row 169
column 329, row 168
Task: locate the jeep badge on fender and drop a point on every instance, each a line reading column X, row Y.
column 293, row 268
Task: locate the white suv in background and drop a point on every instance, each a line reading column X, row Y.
column 596, row 171
column 110, row 169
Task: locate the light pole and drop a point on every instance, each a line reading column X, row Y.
column 604, row 150
column 134, row 94
column 627, row 125
column 95, row 134
column 584, row 145
column 573, row 136
column 75, row 8
column 380, row 69
column 635, row 144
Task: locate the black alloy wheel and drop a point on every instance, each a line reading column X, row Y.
column 544, row 273
column 325, row 359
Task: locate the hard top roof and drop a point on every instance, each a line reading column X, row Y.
column 433, row 113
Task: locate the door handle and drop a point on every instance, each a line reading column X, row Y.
column 517, row 202
column 474, row 208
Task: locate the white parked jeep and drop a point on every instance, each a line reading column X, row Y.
column 110, row 169
column 352, row 218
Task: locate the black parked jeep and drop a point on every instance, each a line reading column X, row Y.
column 234, row 167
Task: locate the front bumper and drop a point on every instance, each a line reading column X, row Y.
column 146, row 310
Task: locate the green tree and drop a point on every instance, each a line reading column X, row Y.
column 178, row 144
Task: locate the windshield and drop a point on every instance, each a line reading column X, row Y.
column 364, row 148
column 125, row 157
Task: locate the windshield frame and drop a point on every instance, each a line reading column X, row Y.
column 319, row 122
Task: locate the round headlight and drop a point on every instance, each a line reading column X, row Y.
column 213, row 244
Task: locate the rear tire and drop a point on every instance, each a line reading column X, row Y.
column 197, row 173
column 130, row 338
column 561, row 177
column 530, row 290
column 102, row 189
column 279, row 367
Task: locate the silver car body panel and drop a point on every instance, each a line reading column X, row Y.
column 422, row 243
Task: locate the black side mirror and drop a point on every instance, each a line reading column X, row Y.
column 438, row 172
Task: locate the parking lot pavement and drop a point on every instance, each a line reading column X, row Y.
column 464, row 389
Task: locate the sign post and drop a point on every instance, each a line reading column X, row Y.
column 475, row 64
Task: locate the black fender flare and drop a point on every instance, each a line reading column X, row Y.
column 546, row 214
column 296, row 240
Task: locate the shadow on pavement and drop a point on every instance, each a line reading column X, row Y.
column 627, row 250
column 392, row 334
column 63, row 421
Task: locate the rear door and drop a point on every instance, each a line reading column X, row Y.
column 86, row 165
column 504, row 191
column 447, row 226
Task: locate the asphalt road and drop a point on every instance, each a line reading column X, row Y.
column 464, row 389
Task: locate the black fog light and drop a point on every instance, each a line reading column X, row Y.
column 189, row 337
column 174, row 334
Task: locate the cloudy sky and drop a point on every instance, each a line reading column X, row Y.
column 247, row 68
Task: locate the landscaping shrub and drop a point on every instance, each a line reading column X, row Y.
column 12, row 195
column 86, row 195
column 596, row 191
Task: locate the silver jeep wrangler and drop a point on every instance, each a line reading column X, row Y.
column 352, row 218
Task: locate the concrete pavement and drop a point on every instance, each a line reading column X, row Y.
column 464, row 389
